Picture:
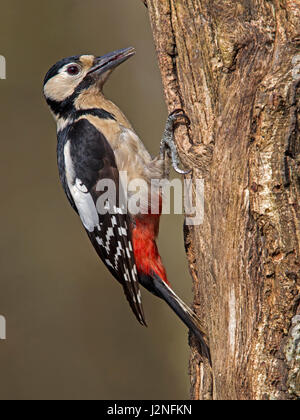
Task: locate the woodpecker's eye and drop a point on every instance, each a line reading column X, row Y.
column 73, row 70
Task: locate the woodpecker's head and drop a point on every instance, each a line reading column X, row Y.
column 69, row 77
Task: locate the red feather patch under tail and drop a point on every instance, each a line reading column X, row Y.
column 146, row 254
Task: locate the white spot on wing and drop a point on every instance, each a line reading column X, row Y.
column 100, row 241
column 118, row 254
column 82, row 198
column 122, row 231
column 80, row 185
column 109, row 263
column 139, row 297
column 109, row 234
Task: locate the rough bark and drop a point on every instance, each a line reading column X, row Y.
column 233, row 66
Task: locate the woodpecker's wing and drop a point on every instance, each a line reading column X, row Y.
column 89, row 159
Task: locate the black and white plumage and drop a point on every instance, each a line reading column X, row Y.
column 96, row 142
column 84, row 158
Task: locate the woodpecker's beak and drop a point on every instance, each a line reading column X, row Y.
column 111, row 61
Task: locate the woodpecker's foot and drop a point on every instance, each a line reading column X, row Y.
column 168, row 142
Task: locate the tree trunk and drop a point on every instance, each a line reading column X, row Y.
column 232, row 65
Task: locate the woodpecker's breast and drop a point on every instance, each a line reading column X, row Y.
column 130, row 153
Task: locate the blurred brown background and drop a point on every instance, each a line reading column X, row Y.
column 70, row 331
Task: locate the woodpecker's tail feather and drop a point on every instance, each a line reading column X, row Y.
column 185, row 313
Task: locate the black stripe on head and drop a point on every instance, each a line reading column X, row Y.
column 55, row 69
column 65, row 107
column 96, row 112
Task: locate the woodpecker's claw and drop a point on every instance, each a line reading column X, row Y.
column 168, row 139
column 179, row 113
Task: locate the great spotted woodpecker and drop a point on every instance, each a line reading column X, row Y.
column 95, row 142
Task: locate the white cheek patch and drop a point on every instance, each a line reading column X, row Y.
column 59, row 88
column 82, row 198
column 62, row 85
